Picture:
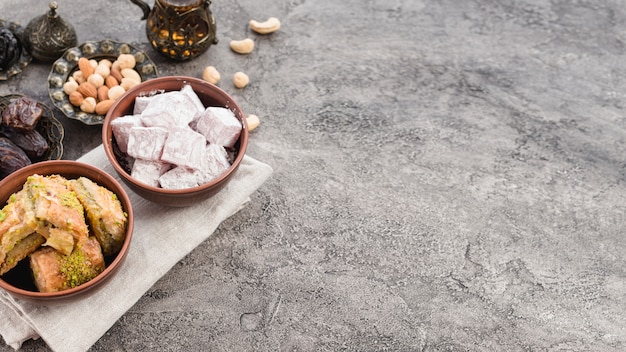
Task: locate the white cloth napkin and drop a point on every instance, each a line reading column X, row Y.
column 162, row 236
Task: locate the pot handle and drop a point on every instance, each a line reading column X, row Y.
column 144, row 6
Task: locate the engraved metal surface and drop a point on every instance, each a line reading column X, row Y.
column 68, row 63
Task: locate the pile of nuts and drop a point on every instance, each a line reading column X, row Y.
column 243, row 47
column 95, row 85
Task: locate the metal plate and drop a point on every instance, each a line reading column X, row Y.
column 68, row 63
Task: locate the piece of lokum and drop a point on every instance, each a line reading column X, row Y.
column 169, row 109
column 215, row 163
column 141, row 102
column 148, row 172
column 219, row 126
column 184, row 147
column 121, row 128
column 178, row 178
column 193, row 97
column 146, row 142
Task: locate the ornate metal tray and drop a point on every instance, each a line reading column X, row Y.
column 68, row 63
column 25, row 57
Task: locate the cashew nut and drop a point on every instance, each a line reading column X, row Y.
column 211, row 75
column 129, row 82
column 240, row 79
column 130, row 73
column 271, row 25
column 244, row 46
column 252, row 121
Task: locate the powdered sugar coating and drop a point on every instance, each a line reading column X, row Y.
column 177, row 142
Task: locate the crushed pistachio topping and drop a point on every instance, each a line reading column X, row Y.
column 76, row 268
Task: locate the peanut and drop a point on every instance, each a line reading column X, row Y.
column 211, row 75
column 244, row 46
column 271, row 25
column 240, row 79
column 252, row 121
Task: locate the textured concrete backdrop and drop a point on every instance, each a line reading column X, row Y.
column 449, row 176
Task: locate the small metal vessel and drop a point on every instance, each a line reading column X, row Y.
column 179, row 29
column 48, row 36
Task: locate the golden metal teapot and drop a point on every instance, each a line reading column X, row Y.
column 179, row 29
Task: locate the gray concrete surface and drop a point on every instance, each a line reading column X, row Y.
column 449, row 176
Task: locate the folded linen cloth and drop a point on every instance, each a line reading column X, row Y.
column 155, row 248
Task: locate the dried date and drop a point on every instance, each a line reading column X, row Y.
column 10, row 49
column 22, row 113
column 12, row 158
column 31, row 142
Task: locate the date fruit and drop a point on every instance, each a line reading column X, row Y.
column 22, row 114
column 12, row 158
column 10, row 49
column 31, row 142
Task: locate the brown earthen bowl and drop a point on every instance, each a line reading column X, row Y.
column 210, row 95
column 18, row 281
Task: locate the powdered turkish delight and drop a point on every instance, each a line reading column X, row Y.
column 146, row 142
column 175, row 141
column 141, row 102
column 215, row 163
column 121, row 128
column 193, row 97
column 169, row 109
column 219, row 126
column 148, row 172
column 178, row 178
column 184, row 147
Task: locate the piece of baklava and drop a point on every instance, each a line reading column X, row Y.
column 54, row 271
column 105, row 214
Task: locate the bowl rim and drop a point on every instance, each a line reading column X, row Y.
column 115, row 263
column 138, row 89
